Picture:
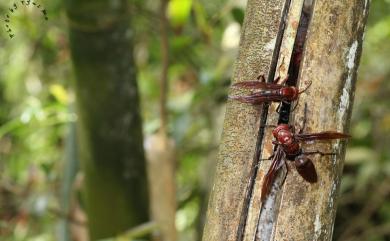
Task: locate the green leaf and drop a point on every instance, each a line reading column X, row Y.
column 178, row 12
column 60, row 93
column 238, row 15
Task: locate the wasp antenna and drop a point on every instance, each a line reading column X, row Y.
column 295, row 106
column 307, row 87
column 320, row 153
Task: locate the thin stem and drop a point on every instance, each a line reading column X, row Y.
column 165, row 66
column 138, row 231
column 67, row 216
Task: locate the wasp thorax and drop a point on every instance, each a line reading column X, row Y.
column 285, row 137
column 282, row 134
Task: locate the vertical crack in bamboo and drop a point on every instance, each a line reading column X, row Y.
column 286, row 116
column 270, row 210
column 289, row 62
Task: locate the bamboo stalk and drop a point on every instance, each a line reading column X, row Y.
column 295, row 210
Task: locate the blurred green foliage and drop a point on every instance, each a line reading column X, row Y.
column 35, row 116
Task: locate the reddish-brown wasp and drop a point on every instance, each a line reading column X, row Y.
column 288, row 148
column 267, row 92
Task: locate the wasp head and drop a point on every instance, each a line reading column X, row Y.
column 289, row 93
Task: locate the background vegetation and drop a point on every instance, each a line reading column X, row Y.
column 40, row 182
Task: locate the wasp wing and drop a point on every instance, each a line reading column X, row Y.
column 257, row 98
column 277, row 163
column 257, row 85
column 326, row 135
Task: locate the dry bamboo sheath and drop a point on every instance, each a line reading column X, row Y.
column 295, row 210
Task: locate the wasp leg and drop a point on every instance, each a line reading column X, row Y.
column 278, row 108
column 319, row 153
column 265, row 159
column 295, row 106
column 261, row 78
